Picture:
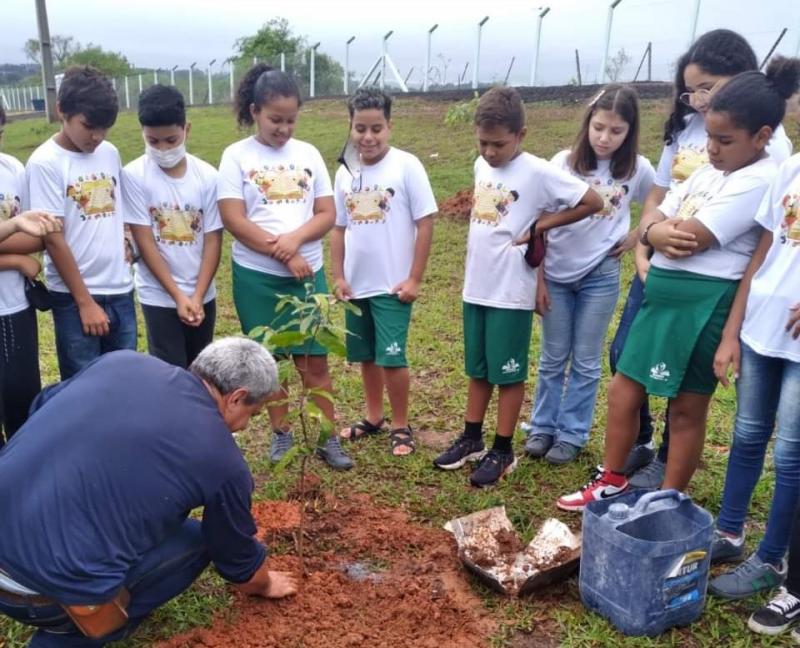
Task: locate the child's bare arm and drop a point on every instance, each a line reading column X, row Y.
column 408, row 290
column 590, row 203
column 27, row 265
column 340, row 286
column 234, row 218
column 286, row 245
column 212, row 250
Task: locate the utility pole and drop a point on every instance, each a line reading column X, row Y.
column 603, row 72
column 535, row 67
column 48, row 75
column 428, row 59
column 478, row 54
column 347, row 65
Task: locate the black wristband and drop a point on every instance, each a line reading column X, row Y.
column 643, row 238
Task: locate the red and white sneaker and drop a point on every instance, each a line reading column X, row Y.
column 604, row 485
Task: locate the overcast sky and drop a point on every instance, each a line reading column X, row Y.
column 163, row 33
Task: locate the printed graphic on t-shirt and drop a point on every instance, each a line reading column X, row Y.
column 491, row 202
column 94, row 195
column 281, row 183
column 790, row 225
column 687, row 160
column 176, row 225
column 10, row 206
column 692, row 204
column 613, row 193
column 370, row 205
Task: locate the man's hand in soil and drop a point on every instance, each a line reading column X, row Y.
column 280, row 585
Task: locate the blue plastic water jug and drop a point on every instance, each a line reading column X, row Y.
column 644, row 560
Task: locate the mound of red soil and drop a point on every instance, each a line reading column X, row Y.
column 459, row 205
column 414, row 593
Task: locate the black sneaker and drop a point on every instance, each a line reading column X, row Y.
column 460, row 452
column 777, row 615
column 640, row 455
column 334, row 455
column 492, row 467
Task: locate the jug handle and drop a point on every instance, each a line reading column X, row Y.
column 647, row 500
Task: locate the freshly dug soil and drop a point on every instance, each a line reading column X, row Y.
column 419, row 595
column 459, row 205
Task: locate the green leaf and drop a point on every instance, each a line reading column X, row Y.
column 286, row 459
column 285, row 368
column 324, row 433
column 322, row 393
column 350, row 306
column 314, row 411
column 257, row 333
column 331, row 342
column 287, row 339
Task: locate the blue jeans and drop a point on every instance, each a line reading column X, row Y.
column 76, row 350
column 163, row 573
column 572, row 334
column 766, row 387
column 632, row 305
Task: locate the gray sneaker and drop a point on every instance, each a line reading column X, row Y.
column 751, row 577
column 726, row 549
column 333, row 454
column 650, row 477
column 562, row 453
column 640, row 455
column 538, row 444
column 280, row 445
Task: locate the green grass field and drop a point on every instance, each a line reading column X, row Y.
column 438, row 388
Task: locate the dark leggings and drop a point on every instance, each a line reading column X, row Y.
column 19, row 369
column 632, row 304
column 173, row 341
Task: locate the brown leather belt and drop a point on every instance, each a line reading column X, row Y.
column 20, row 599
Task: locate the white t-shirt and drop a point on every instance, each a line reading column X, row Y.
column 687, row 153
column 506, row 202
column 575, row 249
column 83, row 189
column 180, row 211
column 726, row 204
column 278, row 187
column 774, row 288
column 379, row 214
column 13, row 200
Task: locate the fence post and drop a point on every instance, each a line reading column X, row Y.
column 283, row 62
column 127, row 94
column 231, row 74
column 210, row 89
column 535, row 66
column 141, row 84
column 347, row 65
column 191, row 83
column 603, row 72
column 313, row 71
column 428, row 59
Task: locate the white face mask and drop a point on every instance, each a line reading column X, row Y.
column 169, row 158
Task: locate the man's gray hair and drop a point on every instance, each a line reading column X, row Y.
column 235, row 362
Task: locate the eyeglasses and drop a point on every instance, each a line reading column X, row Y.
column 701, row 96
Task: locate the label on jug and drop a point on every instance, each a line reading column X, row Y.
column 680, row 585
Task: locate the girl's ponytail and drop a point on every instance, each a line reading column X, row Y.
column 784, row 75
column 245, row 94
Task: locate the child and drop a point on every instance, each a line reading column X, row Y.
column 766, row 367
column 577, row 292
column 712, row 60
column 19, row 344
column 171, row 207
column 512, row 190
column 275, row 198
column 379, row 249
column 704, row 234
column 75, row 176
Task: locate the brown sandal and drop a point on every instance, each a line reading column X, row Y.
column 362, row 429
column 402, row 437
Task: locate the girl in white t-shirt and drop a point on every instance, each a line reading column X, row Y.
column 760, row 344
column 275, row 198
column 578, row 290
column 704, row 234
column 712, row 60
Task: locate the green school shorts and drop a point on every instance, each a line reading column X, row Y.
column 675, row 335
column 256, row 294
column 380, row 333
column 496, row 342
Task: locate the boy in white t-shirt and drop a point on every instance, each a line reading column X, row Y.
column 379, row 250
column 75, row 176
column 171, row 207
column 513, row 190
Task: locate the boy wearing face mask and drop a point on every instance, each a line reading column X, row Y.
column 171, row 207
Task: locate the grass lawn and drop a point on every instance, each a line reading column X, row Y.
column 438, row 387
